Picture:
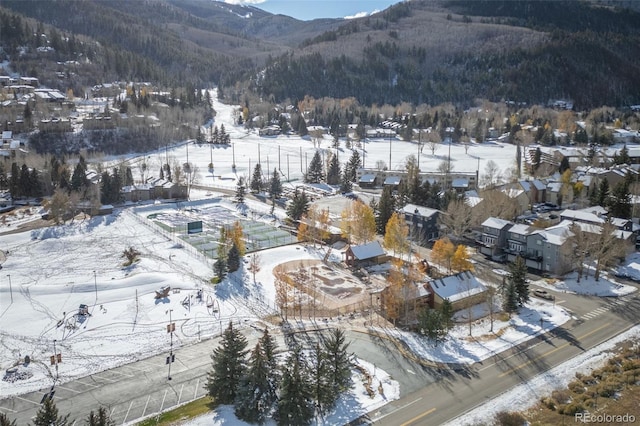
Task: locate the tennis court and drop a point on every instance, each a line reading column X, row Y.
column 257, row 235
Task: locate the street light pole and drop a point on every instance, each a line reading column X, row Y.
column 55, row 358
column 10, row 289
column 95, row 284
column 170, row 359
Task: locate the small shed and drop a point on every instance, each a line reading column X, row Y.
column 370, row 253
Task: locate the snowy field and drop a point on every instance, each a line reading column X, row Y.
column 291, row 154
column 48, row 273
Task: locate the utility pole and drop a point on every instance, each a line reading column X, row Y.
column 288, row 179
column 56, row 358
column 389, row 151
column 170, row 329
column 233, row 154
column 95, row 285
column 10, row 289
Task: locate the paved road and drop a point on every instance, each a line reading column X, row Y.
column 456, row 392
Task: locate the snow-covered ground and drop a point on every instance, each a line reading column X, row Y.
column 606, row 286
column 48, row 273
column 291, row 154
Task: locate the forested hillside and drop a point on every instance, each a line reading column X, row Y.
column 419, row 51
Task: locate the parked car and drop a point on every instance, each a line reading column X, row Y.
column 543, row 294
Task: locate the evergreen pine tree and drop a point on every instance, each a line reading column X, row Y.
column 79, row 177
column 4, row 420
column 220, row 268
column 386, row 207
column 620, row 201
column 345, row 183
column 257, row 392
column 351, row 168
column 25, row 181
column 602, row 197
column 229, row 365
column 241, row 191
column 339, row 366
column 518, row 278
column 105, row 187
column 315, row 173
column 509, row 297
column 299, row 206
column 47, row 415
column 319, row 373
column 14, row 181
column 233, row 259
column 295, row 407
column 101, row 418
column 128, row 176
column 256, row 179
column 275, row 186
column 333, row 173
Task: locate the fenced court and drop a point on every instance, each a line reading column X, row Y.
column 257, row 235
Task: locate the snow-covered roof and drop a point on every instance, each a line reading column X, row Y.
column 540, row 186
column 554, row 186
column 520, row 229
column 526, row 185
column 7, row 134
column 581, row 215
column 472, row 198
column 460, row 183
column 457, row 287
column 368, row 178
column 367, row 251
column 420, row 210
column 497, row 223
column 392, row 180
column 513, row 192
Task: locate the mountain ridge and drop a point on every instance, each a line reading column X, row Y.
column 417, row 51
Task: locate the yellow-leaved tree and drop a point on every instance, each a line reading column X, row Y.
column 235, row 235
column 395, row 235
column 442, row 253
column 460, row 261
column 358, row 222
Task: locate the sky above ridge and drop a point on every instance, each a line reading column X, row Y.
column 307, row 10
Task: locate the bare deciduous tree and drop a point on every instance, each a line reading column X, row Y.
column 458, row 219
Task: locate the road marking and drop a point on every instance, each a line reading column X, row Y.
column 180, row 395
column 145, row 405
column 511, row 370
column 127, row 415
column 87, row 384
column 28, row 400
column 163, row 398
column 398, row 409
column 3, row 409
column 426, row 413
column 68, row 389
column 195, row 394
column 411, row 372
column 595, row 313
